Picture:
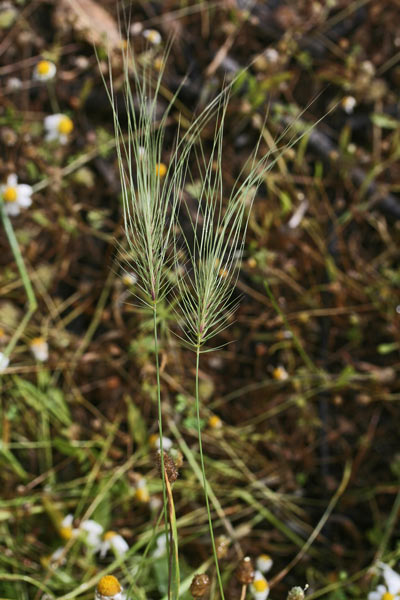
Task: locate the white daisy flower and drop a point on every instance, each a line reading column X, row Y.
column 40, row 349
column 161, row 549
column 58, row 127
column 349, row 104
column 155, row 503
column 280, row 373
column 93, row 532
column 271, row 55
column 129, row 278
column 67, row 531
column 142, row 492
column 154, row 441
column 259, row 587
column 152, row 36
column 391, row 590
column 56, row 555
column 44, row 70
column 15, row 196
column 4, row 362
column 115, row 542
column 109, row 588
column 264, row 563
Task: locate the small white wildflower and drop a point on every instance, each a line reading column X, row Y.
column 93, row 532
column 259, row 587
column 154, row 441
column 15, row 196
column 280, row 373
column 4, row 362
column 271, row 55
column 58, row 127
column 155, row 503
column 142, row 492
column 66, row 530
column 391, row 590
column 161, row 549
column 56, row 556
column 44, row 70
column 40, row 349
column 264, row 563
column 348, row 104
column 152, row 36
column 109, row 588
column 14, row 84
column 115, row 542
column 129, row 278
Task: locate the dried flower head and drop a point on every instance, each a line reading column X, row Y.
column 169, row 467
column 245, row 571
column 200, row 585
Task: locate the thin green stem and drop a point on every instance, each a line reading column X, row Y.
column 32, row 303
column 221, row 589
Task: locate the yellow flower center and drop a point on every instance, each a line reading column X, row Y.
column 158, row 63
column 153, row 36
column 38, row 341
column 260, row 585
column 65, row 125
column 109, row 535
column 278, row 373
column 10, row 194
column 43, row 67
column 387, row 596
column 161, row 170
column 108, row 586
column 214, row 422
column 142, row 494
column 153, row 439
column 66, row 533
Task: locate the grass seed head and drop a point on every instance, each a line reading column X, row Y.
column 170, row 468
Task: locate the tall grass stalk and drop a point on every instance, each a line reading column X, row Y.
column 205, row 293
